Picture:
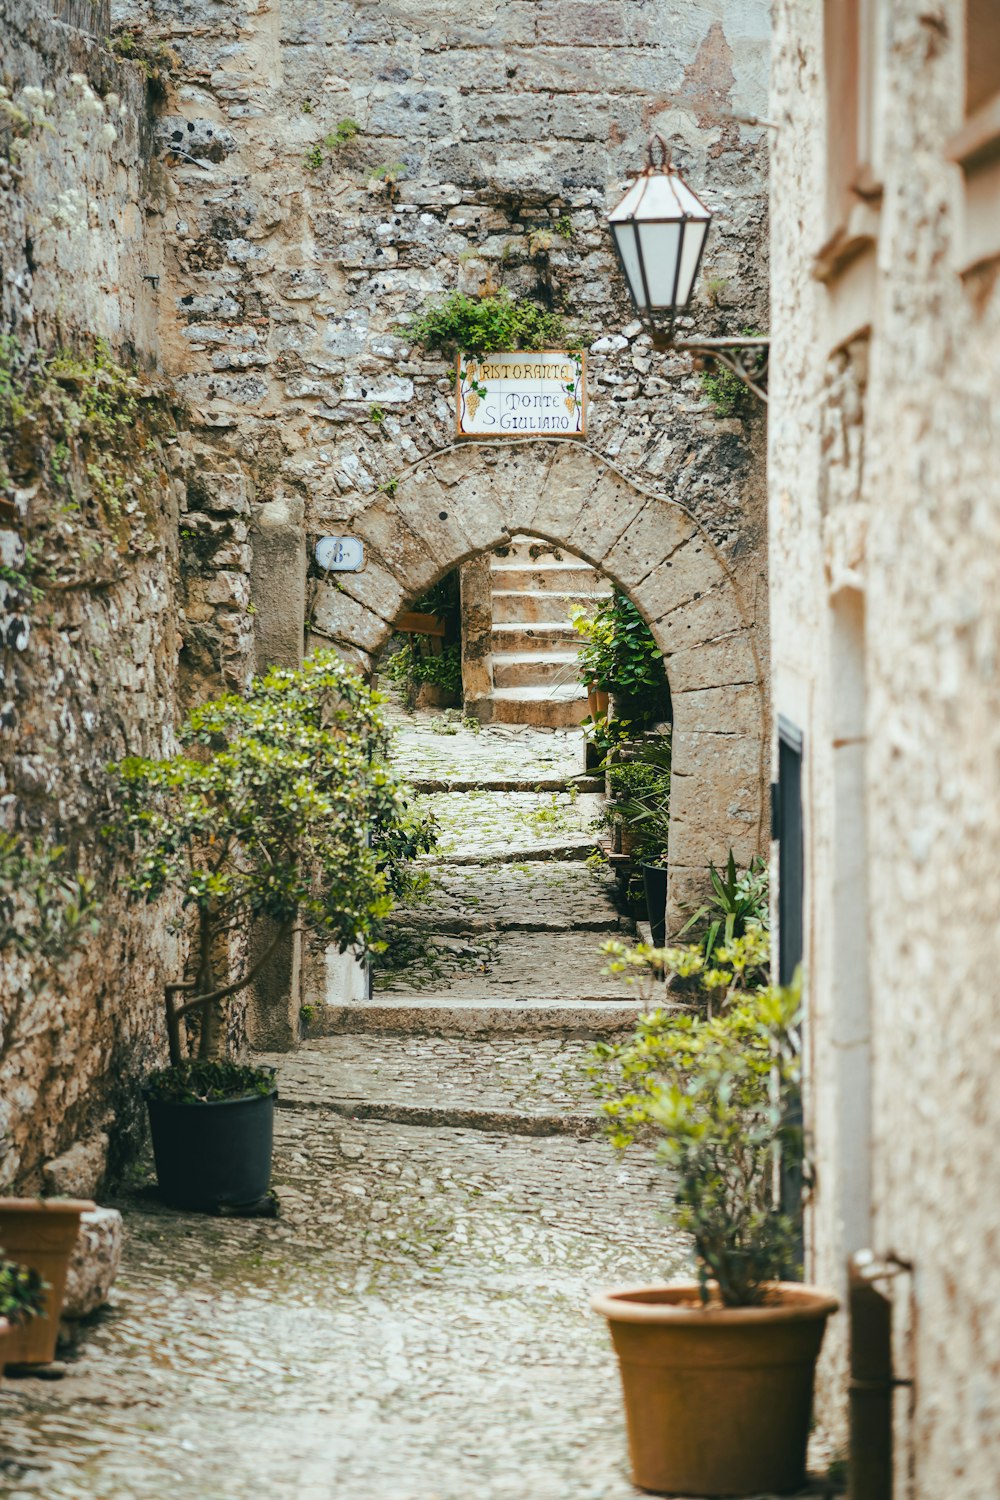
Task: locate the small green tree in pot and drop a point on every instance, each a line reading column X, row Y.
column 279, row 805
column 715, row 1093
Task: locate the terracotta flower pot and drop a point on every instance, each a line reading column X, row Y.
column 717, row 1401
column 40, row 1233
column 597, row 701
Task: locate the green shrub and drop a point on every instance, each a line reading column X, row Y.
column 202, row 1080
column 279, row 805
column 717, row 1094
column 738, row 901
column 484, row 325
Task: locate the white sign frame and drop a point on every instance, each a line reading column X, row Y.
column 536, row 393
column 340, row 554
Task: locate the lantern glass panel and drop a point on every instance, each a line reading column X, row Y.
column 661, row 248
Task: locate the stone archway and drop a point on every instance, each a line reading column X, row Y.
column 471, row 497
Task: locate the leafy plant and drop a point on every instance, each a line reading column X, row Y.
column 640, row 798
column 716, row 1094
column 46, row 910
column 738, row 900
column 376, row 415
column 201, row 1080
column 409, row 664
column 313, row 158
column 279, row 805
column 483, row 325
column 345, row 131
column 564, row 227
column 22, row 1292
column 729, row 395
column 619, row 655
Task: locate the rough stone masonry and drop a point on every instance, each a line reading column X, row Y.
column 287, row 183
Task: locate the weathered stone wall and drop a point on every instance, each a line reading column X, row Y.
column 489, row 146
column 885, row 535
column 88, row 666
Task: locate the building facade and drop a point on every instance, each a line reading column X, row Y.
column 248, row 201
column 885, row 597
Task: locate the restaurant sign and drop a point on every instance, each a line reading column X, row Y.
column 511, row 395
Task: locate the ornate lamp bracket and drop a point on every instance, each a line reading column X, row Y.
column 746, row 358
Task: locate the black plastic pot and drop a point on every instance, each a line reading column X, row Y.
column 654, row 880
column 213, row 1153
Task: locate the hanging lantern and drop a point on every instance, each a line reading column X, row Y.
column 659, row 229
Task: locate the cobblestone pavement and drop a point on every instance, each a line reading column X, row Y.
column 415, row 1324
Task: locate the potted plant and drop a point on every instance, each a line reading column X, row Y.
column 39, row 1233
column 279, row 807
column 717, row 1371
column 619, row 656
column 22, row 1297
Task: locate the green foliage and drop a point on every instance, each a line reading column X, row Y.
column 155, row 59
column 729, row 395
column 564, row 227
column 346, row 131
column 483, row 325
column 314, row 158
column 46, row 910
column 76, row 428
column 715, row 1092
column 738, row 900
column 620, row 656
column 201, row 1080
column 640, row 791
column 22, row 1292
column 408, row 664
column 279, row 805
column 376, row 415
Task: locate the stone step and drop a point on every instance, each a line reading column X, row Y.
column 520, row 826
column 567, row 575
column 557, row 707
column 506, row 783
column 523, row 669
column 539, row 896
column 509, row 967
column 546, row 635
column 511, row 1084
column 442, row 1015
column 525, row 606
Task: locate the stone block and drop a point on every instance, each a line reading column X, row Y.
column 376, row 588
column 714, row 615
column 571, row 477
column 656, row 532
column 686, row 574
column 395, row 544
column 713, row 664
column 94, row 1263
column 78, row 1172
column 720, row 710
column 345, row 619
column 610, row 507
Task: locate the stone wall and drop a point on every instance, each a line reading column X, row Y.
column 885, row 534
column 333, row 166
column 89, row 658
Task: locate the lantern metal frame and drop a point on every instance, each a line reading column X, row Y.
column 747, row 357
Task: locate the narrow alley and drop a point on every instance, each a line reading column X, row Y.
column 415, row 1323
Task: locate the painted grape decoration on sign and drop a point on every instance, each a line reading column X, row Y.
column 510, row 395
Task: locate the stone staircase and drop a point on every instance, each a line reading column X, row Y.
column 534, row 645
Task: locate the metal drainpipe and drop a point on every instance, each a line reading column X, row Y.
column 873, row 1380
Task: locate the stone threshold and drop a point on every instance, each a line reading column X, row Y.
column 451, row 1117
column 434, row 1015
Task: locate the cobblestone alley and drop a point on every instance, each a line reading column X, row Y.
column 415, row 1324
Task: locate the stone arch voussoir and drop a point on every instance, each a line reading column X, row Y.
column 471, row 497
